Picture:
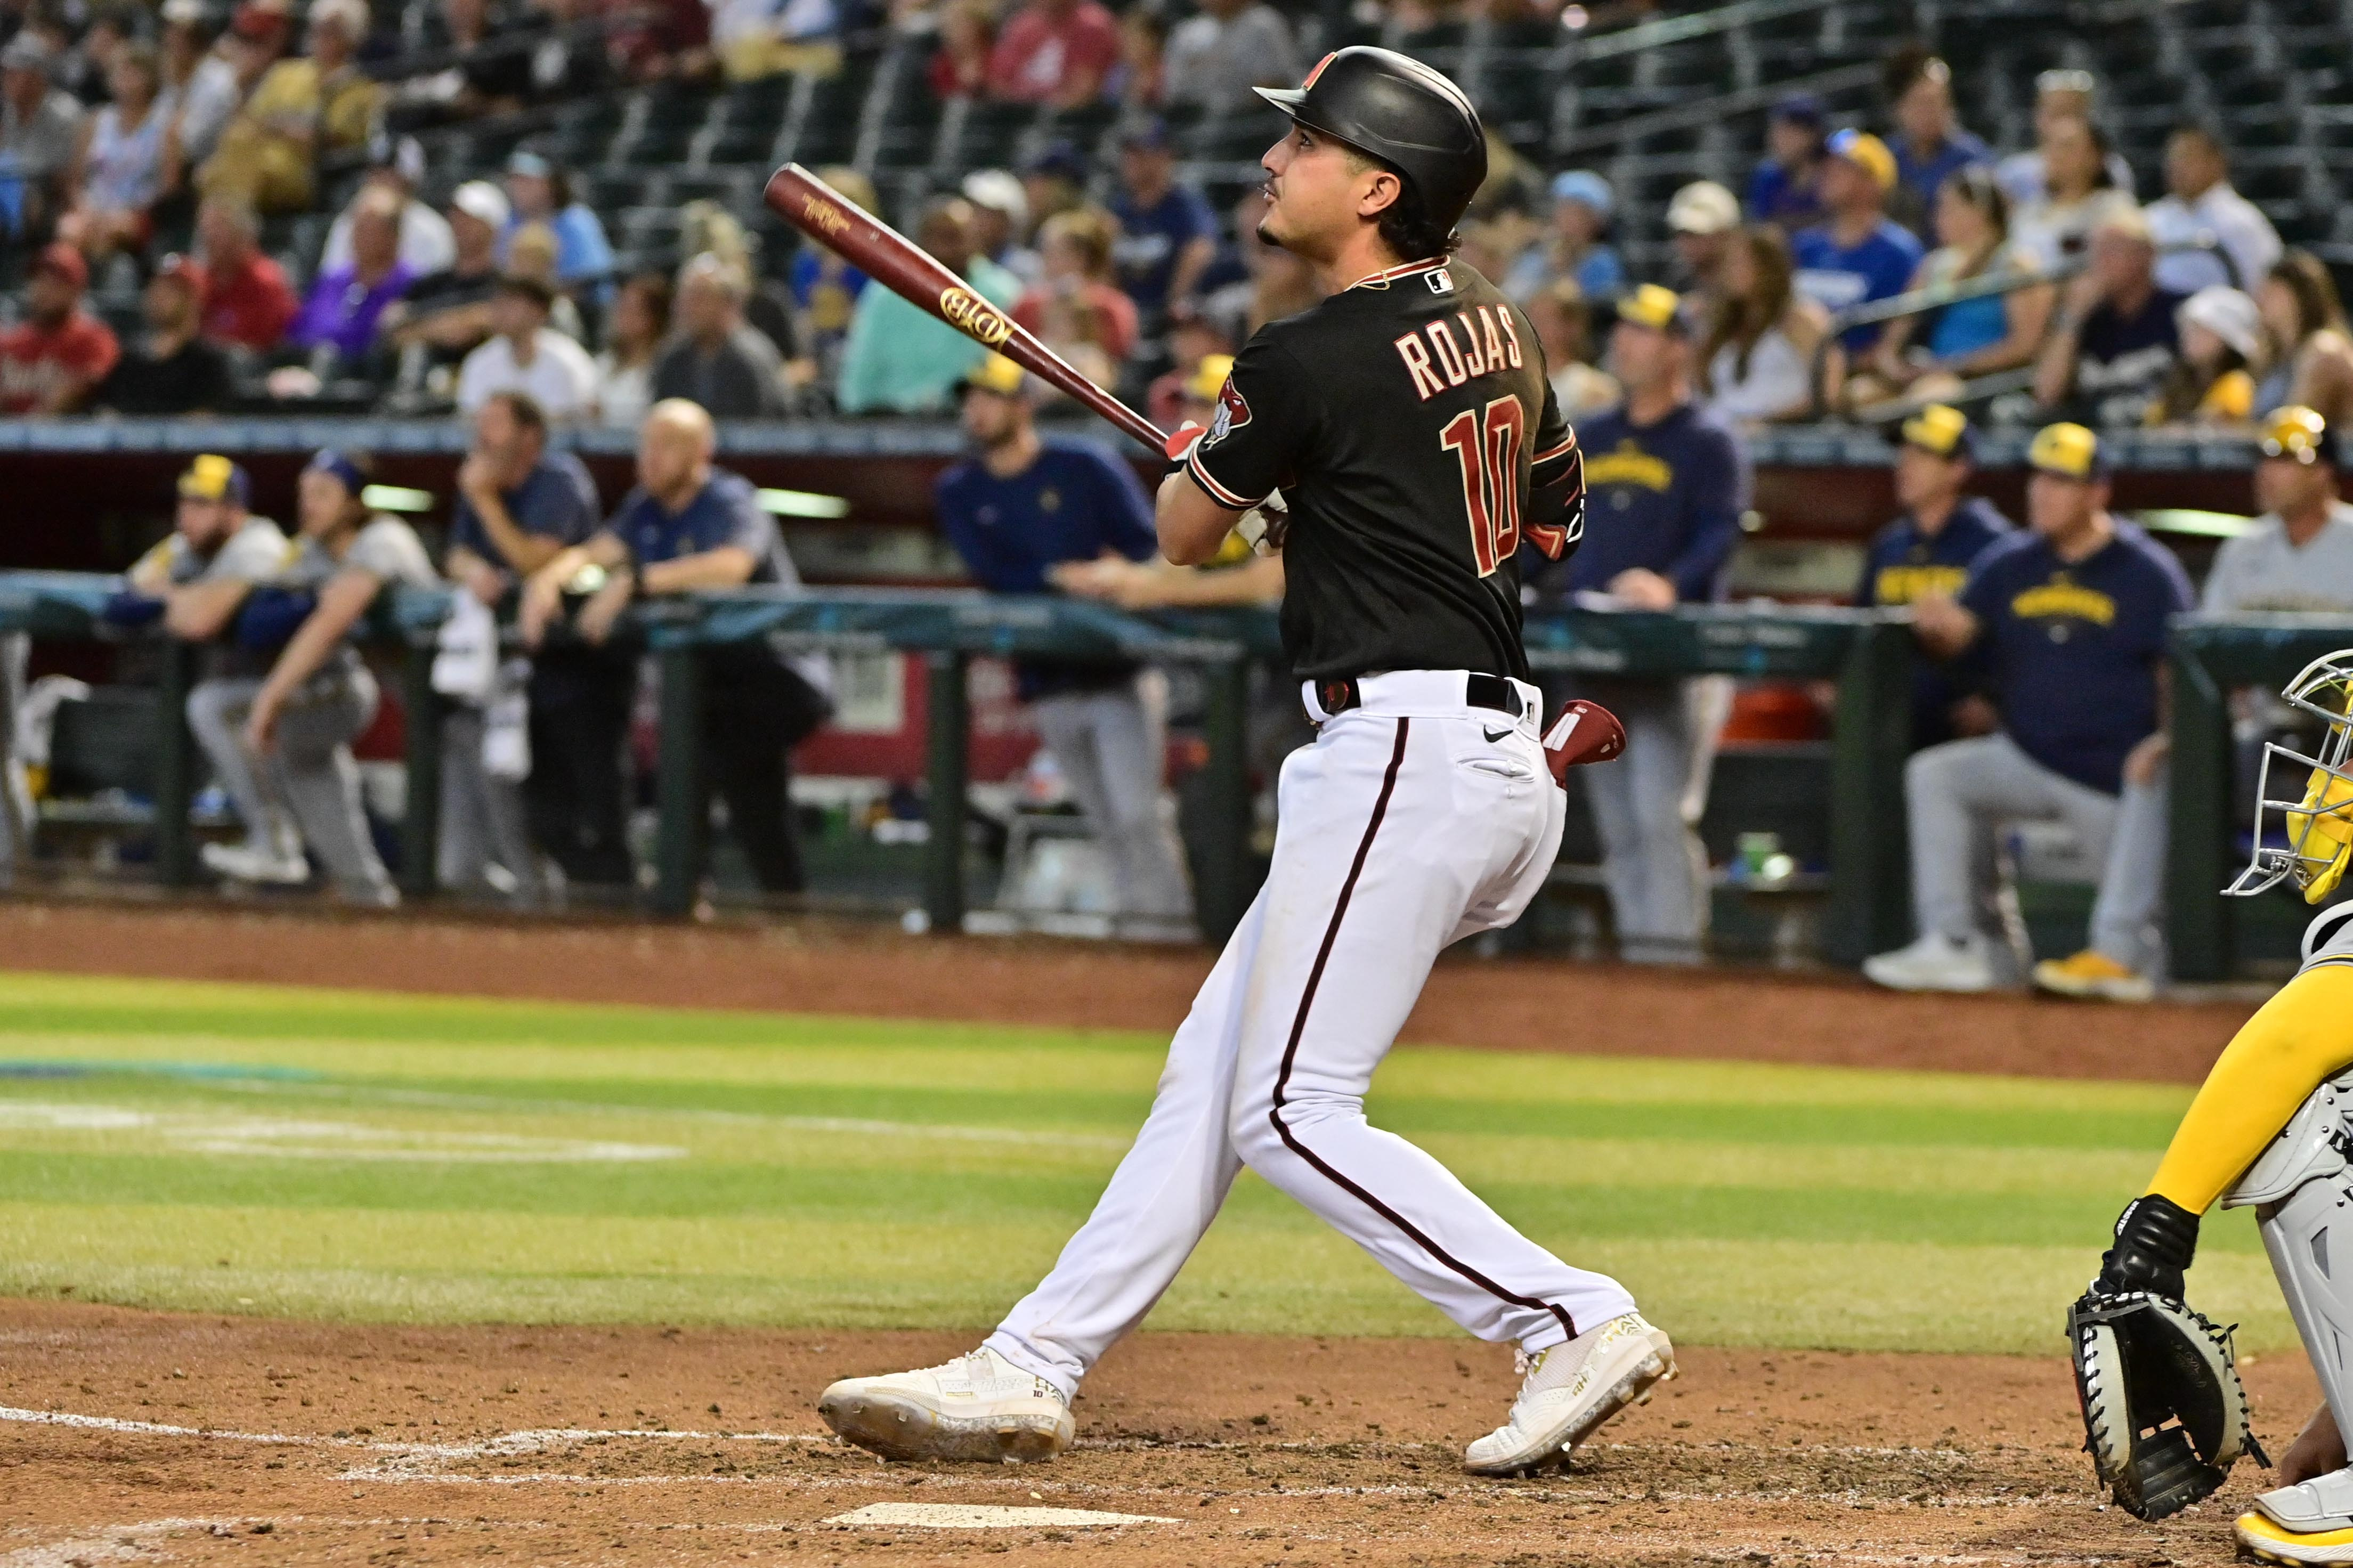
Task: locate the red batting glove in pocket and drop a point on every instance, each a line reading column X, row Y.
column 1582, row 732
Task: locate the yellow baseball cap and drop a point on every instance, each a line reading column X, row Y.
column 1867, row 153
column 1204, row 384
column 214, row 478
column 995, row 373
column 2069, row 451
column 1652, row 306
column 2296, row 431
column 1941, row 430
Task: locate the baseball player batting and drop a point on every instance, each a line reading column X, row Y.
column 1408, row 423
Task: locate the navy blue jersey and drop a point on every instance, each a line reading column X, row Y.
column 1905, row 565
column 1666, row 497
column 2075, row 648
column 556, row 499
column 725, row 511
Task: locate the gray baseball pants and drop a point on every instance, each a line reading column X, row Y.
column 1109, row 746
column 310, row 771
column 1959, row 794
column 1646, row 810
column 483, row 817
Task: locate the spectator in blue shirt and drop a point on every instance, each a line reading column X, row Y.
column 539, row 192
column 1665, row 485
column 1925, row 554
column 1855, row 255
column 2071, row 618
column 1785, row 189
column 1930, row 146
column 518, row 505
column 691, row 527
column 1019, row 510
column 1168, row 232
column 1581, row 205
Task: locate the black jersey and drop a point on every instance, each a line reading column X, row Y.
column 1409, row 424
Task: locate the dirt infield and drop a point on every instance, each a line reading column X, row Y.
column 133, row 1438
column 832, row 966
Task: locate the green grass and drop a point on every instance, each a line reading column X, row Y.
column 344, row 1154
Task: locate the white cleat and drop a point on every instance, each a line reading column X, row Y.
column 979, row 1407
column 1570, row 1390
column 270, row 864
column 1935, row 963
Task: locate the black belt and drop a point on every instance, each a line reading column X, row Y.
column 1337, row 696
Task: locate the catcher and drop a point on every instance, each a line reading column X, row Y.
column 2272, row 1128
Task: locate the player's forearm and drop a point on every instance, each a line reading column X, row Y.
column 725, row 567
column 340, row 605
column 198, row 612
column 1190, row 526
column 2271, row 1067
column 528, row 551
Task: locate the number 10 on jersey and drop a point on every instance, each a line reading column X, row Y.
column 1486, row 443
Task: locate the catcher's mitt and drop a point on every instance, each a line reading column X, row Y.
column 2165, row 1416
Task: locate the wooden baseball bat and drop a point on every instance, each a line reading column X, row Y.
column 891, row 259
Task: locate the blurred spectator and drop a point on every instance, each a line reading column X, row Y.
column 1195, row 337
column 172, row 370
column 248, row 300
column 447, row 313
column 525, row 354
column 517, row 505
column 824, row 288
column 898, row 360
column 2222, row 336
column 1140, row 81
column 222, row 81
column 2113, row 341
column 492, row 75
column 1857, row 255
column 2058, row 96
column 1054, row 52
column 397, row 165
column 1227, row 47
column 1166, row 235
column 2071, row 618
column 1563, row 319
column 1074, row 253
column 715, row 359
column 1756, row 362
column 755, row 39
column 2299, row 555
column 86, row 69
column 1700, row 219
column 706, row 225
column 539, row 192
column 1055, row 180
column 1784, row 188
column 320, row 696
column 2078, row 195
column 200, row 88
column 1925, row 554
column 204, row 571
column 1000, row 218
column 268, row 152
column 662, row 39
column 1665, row 485
column 635, row 329
column 2311, row 349
column 532, row 252
column 119, row 166
column 40, row 127
column 1930, row 144
column 1581, row 205
column 2200, row 208
column 51, row 360
column 1970, row 337
column 571, row 59
column 688, row 526
column 1020, row 507
column 959, row 67
column 346, row 303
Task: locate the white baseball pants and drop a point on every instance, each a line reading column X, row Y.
column 1403, row 828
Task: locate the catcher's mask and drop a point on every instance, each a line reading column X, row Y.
column 2313, row 840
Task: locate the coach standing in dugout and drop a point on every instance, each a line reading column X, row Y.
column 519, row 504
column 691, row 526
column 1667, row 482
column 1927, row 553
column 1022, row 506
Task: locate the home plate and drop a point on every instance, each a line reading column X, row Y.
column 973, row 1516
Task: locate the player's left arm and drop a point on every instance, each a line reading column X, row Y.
column 1556, row 513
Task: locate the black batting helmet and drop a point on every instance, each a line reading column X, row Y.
column 1401, row 112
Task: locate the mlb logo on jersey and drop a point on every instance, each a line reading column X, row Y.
column 1441, row 281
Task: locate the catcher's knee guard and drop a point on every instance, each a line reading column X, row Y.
column 2301, row 1192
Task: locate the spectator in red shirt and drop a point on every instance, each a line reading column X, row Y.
column 248, row 300
column 1055, row 52
column 49, row 361
column 960, row 68
column 1075, row 274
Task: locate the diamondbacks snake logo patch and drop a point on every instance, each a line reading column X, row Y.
column 1233, row 412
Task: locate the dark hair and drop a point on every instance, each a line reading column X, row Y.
column 1976, row 185
column 2187, row 385
column 655, row 288
column 524, row 409
column 1907, row 66
column 535, row 289
column 2199, row 131
column 2318, row 306
column 1406, row 225
column 1742, row 320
